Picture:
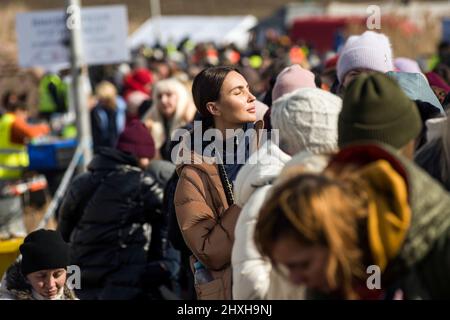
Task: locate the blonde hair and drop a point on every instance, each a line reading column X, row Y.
column 107, row 93
column 185, row 110
column 319, row 210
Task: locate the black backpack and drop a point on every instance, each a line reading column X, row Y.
column 174, row 232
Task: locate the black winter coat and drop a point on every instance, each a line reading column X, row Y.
column 430, row 158
column 110, row 215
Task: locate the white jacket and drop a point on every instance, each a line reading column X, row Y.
column 253, row 275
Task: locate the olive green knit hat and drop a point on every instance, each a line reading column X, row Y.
column 376, row 109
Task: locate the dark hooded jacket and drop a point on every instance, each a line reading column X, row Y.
column 431, row 158
column 111, row 216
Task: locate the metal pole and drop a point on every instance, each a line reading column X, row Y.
column 155, row 9
column 80, row 100
column 62, row 188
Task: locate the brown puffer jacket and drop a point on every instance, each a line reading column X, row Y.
column 207, row 222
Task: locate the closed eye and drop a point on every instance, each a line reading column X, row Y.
column 239, row 89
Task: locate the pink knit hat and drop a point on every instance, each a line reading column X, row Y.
column 407, row 65
column 436, row 80
column 292, row 78
column 369, row 50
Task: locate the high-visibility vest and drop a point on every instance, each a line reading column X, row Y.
column 13, row 157
column 46, row 101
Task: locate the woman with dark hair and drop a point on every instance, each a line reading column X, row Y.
column 204, row 201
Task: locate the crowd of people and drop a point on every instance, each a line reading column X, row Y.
column 281, row 173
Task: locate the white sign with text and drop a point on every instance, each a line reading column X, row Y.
column 42, row 36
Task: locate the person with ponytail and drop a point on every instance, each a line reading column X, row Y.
column 371, row 226
column 204, row 202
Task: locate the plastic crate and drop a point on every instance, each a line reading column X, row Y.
column 9, row 251
column 53, row 155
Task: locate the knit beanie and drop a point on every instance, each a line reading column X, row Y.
column 143, row 76
column 407, row 65
column 436, row 80
column 416, row 87
column 43, row 250
column 136, row 139
column 375, row 108
column 369, row 50
column 292, row 78
column 307, row 120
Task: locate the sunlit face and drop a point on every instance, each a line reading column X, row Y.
column 143, row 163
column 167, row 103
column 48, row 283
column 236, row 104
column 302, row 264
column 163, row 70
column 352, row 74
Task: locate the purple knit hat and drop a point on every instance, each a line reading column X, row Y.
column 292, row 78
column 369, row 50
column 136, row 139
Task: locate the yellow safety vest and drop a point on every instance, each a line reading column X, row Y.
column 46, row 101
column 13, row 157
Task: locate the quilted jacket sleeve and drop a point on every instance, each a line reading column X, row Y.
column 209, row 235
